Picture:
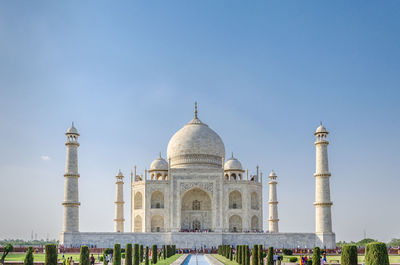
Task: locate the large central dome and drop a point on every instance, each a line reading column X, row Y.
column 196, row 145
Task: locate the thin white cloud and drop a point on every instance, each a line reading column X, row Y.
column 45, row 158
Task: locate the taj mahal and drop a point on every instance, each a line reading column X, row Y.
column 198, row 197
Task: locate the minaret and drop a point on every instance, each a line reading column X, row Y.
column 71, row 196
column 273, row 204
column 119, row 203
column 323, row 204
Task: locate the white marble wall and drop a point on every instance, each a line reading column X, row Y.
column 211, row 181
column 192, row 240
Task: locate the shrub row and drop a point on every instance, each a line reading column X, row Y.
column 226, row 251
column 168, row 251
column 376, row 254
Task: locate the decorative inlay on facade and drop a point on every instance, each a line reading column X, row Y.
column 208, row 186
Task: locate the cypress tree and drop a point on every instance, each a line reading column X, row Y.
column 154, row 254
column 270, row 257
column 117, row 254
column 164, row 250
column 243, row 254
column 84, row 256
column 141, row 253
column 316, row 257
column 260, row 254
column 349, row 255
column 146, row 256
column 136, row 260
column 51, row 254
column 254, row 255
column 128, row 254
column 376, row 254
column 247, row 255
column 29, row 257
column 240, row 254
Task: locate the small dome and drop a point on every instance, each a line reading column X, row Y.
column 272, row 174
column 233, row 164
column 72, row 130
column 321, row 129
column 120, row 174
column 159, row 164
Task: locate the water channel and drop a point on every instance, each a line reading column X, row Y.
column 194, row 259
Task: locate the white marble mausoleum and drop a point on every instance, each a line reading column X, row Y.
column 196, row 197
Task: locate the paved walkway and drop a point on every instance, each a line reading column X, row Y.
column 212, row 260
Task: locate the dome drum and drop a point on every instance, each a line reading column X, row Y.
column 196, row 160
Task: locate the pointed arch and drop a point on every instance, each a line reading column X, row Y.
column 235, row 200
column 138, row 200
column 138, row 224
column 157, row 223
column 157, row 200
column 254, row 201
column 235, row 224
column 254, row 223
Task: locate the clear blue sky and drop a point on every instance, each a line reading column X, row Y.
column 264, row 73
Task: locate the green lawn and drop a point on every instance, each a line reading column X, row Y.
column 75, row 257
column 168, row 260
column 224, row 260
column 333, row 258
column 39, row 256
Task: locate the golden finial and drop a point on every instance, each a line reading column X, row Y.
column 195, row 109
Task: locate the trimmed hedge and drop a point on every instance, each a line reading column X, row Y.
column 376, row 254
column 254, row 255
column 292, row 259
column 84, row 256
column 154, row 254
column 260, row 254
column 29, row 257
column 141, row 253
column 164, row 251
column 146, row 256
column 128, row 254
column 136, row 254
column 287, row 252
column 117, row 254
column 316, row 257
column 349, row 255
column 51, row 254
column 270, row 256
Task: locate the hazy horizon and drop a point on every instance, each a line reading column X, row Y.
column 263, row 73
